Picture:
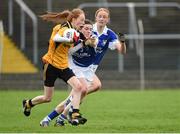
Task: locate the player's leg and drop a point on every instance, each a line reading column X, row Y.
column 59, row 109
column 95, row 85
column 50, row 74
column 75, row 117
column 28, row 104
column 62, row 118
column 67, row 104
column 77, row 90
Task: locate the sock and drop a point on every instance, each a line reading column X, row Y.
column 47, row 119
column 71, row 109
column 62, row 117
column 53, row 115
column 30, row 103
column 75, row 110
column 68, row 101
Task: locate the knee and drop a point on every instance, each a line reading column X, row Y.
column 97, row 86
column 78, row 87
column 82, row 88
column 47, row 99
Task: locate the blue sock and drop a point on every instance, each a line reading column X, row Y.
column 62, row 117
column 53, row 115
column 68, row 101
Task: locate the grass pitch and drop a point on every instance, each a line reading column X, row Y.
column 153, row 111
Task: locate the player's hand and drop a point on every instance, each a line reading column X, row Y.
column 122, row 38
column 123, row 48
column 92, row 41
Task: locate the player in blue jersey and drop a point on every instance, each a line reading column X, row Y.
column 107, row 39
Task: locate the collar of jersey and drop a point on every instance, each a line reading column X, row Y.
column 104, row 31
column 69, row 24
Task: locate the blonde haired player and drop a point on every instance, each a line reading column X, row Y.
column 56, row 61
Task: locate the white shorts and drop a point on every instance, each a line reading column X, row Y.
column 83, row 72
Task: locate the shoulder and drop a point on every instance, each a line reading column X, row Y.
column 112, row 34
column 57, row 27
column 110, row 31
column 66, row 27
column 67, row 24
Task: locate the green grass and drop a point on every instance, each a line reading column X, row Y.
column 152, row 111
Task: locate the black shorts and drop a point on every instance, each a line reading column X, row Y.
column 51, row 73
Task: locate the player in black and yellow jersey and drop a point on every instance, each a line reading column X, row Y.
column 56, row 62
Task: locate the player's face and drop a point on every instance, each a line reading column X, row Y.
column 102, row 18
column 87, row 30
column 79, row 22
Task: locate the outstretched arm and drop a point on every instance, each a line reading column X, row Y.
column 121, row 45
column 75, row 48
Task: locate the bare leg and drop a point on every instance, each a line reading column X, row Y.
column 28, row 104
column 48, row 93
column 95, row 85
column 84, row 92
column 76, row 91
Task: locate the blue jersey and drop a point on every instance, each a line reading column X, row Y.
column 84, row 56
column 87, row 55
column 106, row 40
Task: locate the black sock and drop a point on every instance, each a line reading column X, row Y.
column 30, row 103
column 75, row 110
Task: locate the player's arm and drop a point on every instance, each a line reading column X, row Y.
column 79, row 44
column 64, row 35
column 122, row 47
column 120, row 44
column 88, row 42
column 59, row 38
column 76, row 48
column 92, row 41
column 117, row 42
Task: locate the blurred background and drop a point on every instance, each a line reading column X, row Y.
column 152, row 29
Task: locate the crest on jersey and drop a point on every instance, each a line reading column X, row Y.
column 104, row 42
column 71, row 34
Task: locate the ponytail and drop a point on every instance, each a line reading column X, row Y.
column 61, row 17
column 54, row 17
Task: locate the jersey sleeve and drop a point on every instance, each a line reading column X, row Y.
column 113, row 40
column 66, row 35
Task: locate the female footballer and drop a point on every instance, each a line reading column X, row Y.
column 56, row 61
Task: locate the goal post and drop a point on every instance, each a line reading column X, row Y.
column 1, row 45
